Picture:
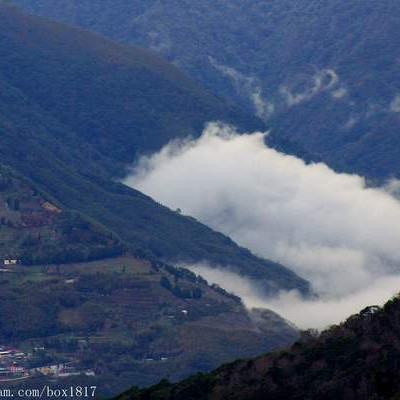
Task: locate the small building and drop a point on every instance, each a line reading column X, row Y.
column 5, row 353
column 10, row 262
column 14, row 369
column 51, row 207
column 50, row 369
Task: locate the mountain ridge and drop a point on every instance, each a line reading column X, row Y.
column 45, row 135
column 323, row 76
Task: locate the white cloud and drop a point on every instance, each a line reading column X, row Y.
column 393, row 188
column 395, row 104
column 264, row 109
column 351, row 122
column 302, row 87
column 339, row 93
column 323, row 80
column 328, row 227
column 318, row 314
column 159, row 41
column 247, row 86
column 327, row 311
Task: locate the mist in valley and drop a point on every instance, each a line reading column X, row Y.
column 329, row 228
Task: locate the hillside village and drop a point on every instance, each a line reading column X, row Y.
column 16, row 364
column 122, row 318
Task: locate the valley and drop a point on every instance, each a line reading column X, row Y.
column 186, row 188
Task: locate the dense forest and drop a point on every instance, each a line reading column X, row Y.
column 356, row 360
column 322, row 74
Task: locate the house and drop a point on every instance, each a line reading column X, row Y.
column 51, row 207
column 50, row 369
column 19, row 355
column 5, row 353
column 14, row 369
column 369, row 310
column 10, row 262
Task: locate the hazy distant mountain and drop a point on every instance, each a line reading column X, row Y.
column 323, row 74
column 76, row 108
column 357, row 360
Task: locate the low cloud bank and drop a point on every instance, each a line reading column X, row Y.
column 329, row 228
column 317, row 314
column 395, row 104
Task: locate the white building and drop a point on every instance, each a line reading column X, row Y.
column 10, row 262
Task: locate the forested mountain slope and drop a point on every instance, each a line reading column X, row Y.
column 33, row 230
column 323, row 74
column 120, row 100
column 74, row 111
column 358, row 359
